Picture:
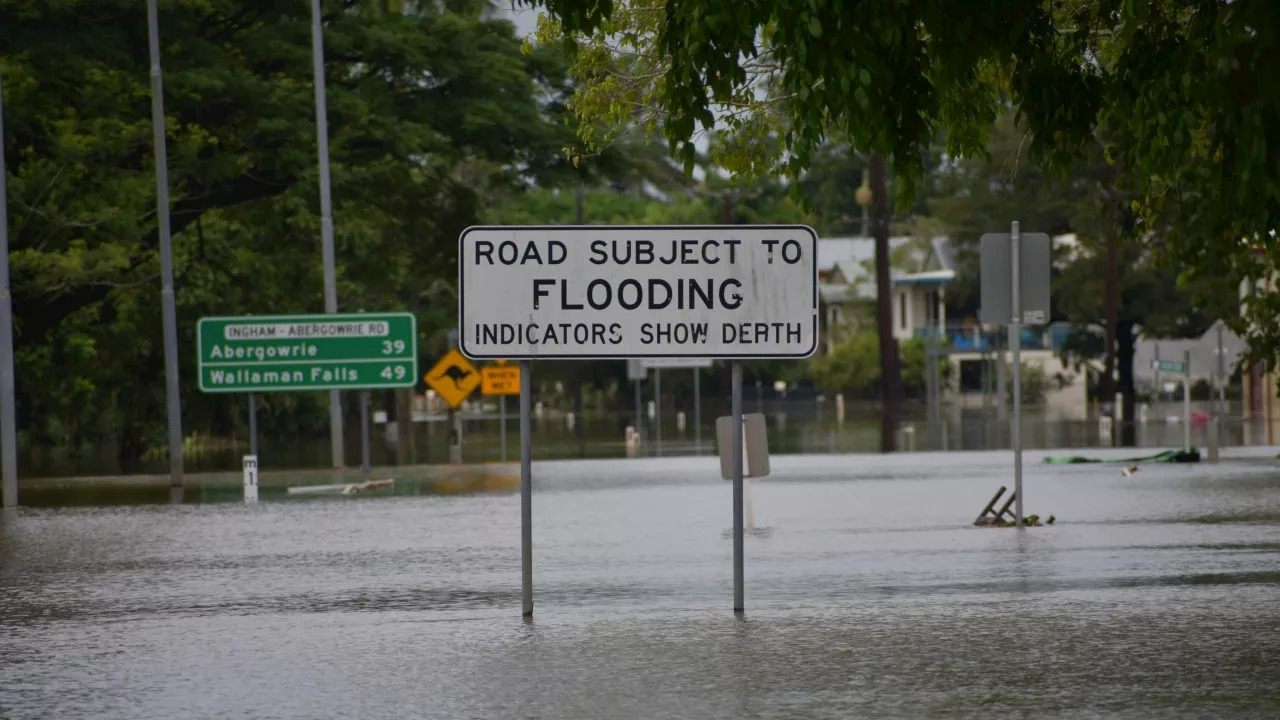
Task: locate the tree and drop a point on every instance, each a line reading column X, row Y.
column 852, row 367
column 1184, row 82
column 429, row 110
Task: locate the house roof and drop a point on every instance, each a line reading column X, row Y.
column 931, row 278
column 858, row 250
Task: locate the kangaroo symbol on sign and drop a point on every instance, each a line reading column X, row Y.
column 454, row 373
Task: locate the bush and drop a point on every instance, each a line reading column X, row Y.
column 853, row 368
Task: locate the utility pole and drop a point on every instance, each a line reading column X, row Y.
column 8, row 422
column 168, row 305
column 326, row 218
column 884, row 311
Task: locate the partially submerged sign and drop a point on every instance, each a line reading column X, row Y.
column 755, row 446
column 288, row 353
column 638, row 292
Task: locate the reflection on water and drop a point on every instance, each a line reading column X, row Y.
column 870, row 595
column 794, row 427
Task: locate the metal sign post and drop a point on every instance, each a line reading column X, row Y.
column 501, row 380
column 662, row 292
column 253, row 425
column 526, row 489
column 502, row 425
column 364, row 431
column 657, row 411
column 1015, row 343
column 1186, row 401
column 1015, row 291
column 697, row 412
column 739, row 563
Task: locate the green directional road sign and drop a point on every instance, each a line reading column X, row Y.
column 288, row 353
column 1169, row 366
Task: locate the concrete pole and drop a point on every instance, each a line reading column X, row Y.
column 326, row 218
column 8, row 414
column 168, row 307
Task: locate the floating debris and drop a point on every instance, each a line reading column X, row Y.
column 342, row 488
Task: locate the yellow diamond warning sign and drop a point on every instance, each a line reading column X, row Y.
column 453, row 378
column 500, row 380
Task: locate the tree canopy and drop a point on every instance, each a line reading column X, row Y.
column 1178, row 94
column 430, row 111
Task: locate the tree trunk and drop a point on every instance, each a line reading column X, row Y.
column 884, row 311
column 1106, row 386
column 1125, row 343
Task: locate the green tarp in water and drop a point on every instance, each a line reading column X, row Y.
column 1168, row 456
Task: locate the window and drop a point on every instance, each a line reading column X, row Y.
column 902, row 309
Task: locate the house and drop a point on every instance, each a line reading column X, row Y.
column 921, row 271
column 847, row 287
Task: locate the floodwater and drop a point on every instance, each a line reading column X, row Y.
column 869, row 594
column 794, row 427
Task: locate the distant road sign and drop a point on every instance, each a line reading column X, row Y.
column 996, row 274
column 1170, row 366
column 453, row 378
column 529, row 292
column 672, row 363
column 289, row 353
column 500, row 380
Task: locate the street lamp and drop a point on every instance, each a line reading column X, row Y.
column 863, row 197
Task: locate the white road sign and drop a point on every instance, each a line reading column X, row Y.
column 638, row 292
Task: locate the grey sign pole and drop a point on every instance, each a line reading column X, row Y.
column 364, row 431
column 1015, row 290
column 1221, row 383
column 526, row 488
column 8, row 428
column 739, row 602
column 167, row 305
column 253, row 424
column 326, row 217
column 697, row 411
column 1015, row 344
column 639, row 410
column 657, row 409
column 502, row 423
column 1155, row 348
column 1186, row 401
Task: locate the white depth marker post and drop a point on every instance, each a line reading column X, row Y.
column 502, row 424
column 526, row 487
column 739, row 602
column 1015, row 344
column 250, row 479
